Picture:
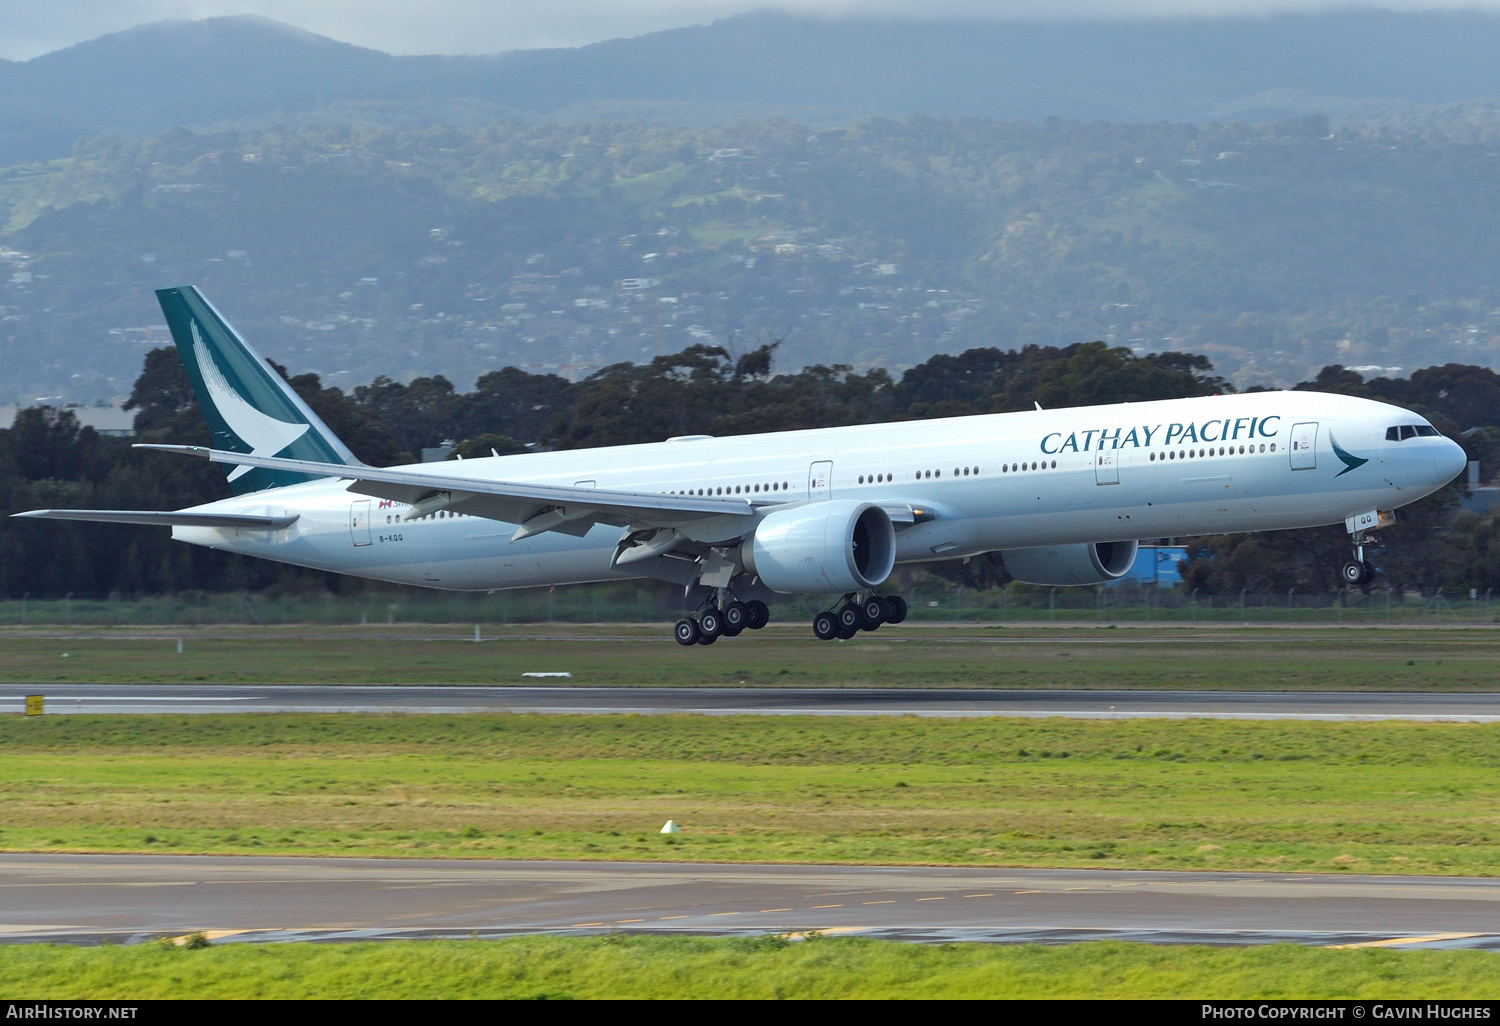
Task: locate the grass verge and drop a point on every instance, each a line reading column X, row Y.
column 971, row 655
column 1384, row 797
column 618, row 966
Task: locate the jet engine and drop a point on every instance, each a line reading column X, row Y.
column 1064, row 565
column 840, row 545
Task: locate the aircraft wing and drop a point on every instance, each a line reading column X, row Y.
column 536, row 508
column 152, row 518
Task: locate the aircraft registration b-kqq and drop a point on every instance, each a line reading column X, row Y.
column 1062, row 495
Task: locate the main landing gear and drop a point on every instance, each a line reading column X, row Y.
column 714, row 622
column 856, row 614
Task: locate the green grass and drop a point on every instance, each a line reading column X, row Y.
column 1387, row 797
column 770, row 967
column 915, row 656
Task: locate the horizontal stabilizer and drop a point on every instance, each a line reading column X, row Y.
column 152, row 518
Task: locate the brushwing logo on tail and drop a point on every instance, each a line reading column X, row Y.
column 265, row 435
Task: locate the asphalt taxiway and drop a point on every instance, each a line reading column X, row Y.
column 316, row 698
column 124, row 898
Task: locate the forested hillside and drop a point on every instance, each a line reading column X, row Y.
column 46, row 460
column 1274, row 249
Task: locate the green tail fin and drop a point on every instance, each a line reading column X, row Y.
column 248, row 406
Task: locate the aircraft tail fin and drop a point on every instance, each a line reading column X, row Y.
column 248, row 406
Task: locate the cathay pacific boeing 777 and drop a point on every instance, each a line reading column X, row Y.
column 1063, row 496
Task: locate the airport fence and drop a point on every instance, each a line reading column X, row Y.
column 616, row 603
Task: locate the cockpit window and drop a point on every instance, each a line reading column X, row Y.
column 1402, row 432
column 1426, row 431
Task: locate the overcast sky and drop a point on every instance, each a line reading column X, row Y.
column 32, row 27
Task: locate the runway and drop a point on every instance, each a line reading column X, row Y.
column 312, row 698
column 130, row 898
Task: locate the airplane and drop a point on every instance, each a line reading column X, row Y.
column 1060, row 497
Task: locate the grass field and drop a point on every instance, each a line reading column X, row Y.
column 657, row 967
column 1385, row 797
column 1371, row 659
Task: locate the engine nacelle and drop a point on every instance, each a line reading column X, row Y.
column 1065, row 565
column 839, row 545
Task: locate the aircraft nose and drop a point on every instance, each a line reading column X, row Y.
column 1450, row 461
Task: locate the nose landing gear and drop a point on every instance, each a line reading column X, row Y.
column 856, row 615
column 1359, row 571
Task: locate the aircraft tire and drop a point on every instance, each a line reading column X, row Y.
column 872, row 610
column 736, row 618
column 1369, row 572
column 825, row 627
column 850, row 619
column 1352, row 572
column 895, row 609
column 711, row 622
column 686, row 631
column 759, row 613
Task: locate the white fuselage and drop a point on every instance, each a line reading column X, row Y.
column 1103, row 473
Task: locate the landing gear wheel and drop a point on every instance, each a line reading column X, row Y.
column 825, row 627
column 872, row 610
column 895, row 609
column 711, row 623
column 686, row 631
column 707, row 639
column 759, row 614
column 1352, row 572
column 736, row 618
column 850, row 619
column 1369, row 572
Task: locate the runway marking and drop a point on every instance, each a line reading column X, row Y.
column 989, row 895
column 629, row 920
column 892, row 901
column 723, row 913
column 1026, row 892
column 828, row 906
column 665, row 918
column 587, row 924
column 1077, row 888
column 932, row 899
column 1393, row 941
column 775, row 910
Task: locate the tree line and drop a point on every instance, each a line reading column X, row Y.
column 48, row 460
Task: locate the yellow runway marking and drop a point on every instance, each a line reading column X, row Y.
column 890, row 902
column 932, row 899
column 1027, row 892
column 1392, row 941
column 989, row 895
column 665, row 918
column 775, row 910
column 828, row 906
column 723, row 913
column 630, row 920
column 588, row 924
column 1077, row 888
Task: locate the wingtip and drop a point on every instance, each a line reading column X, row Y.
column 191, row 450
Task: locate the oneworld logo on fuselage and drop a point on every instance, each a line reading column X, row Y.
column 1140, row 436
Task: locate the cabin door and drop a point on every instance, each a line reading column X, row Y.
column 1304, row 451
column 359, row 522
column 820, row 481
column 1106, row 467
